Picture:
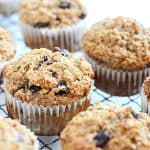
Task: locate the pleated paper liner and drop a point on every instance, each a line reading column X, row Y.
column 67, row 38
column 45, row 120
column 117, row 82
column 9, row 6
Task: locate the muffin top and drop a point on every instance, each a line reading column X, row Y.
column 52, row 13
column 118, row 43
column 47, row 77
column 7, row 49
column 111, row 127
column 146, row 87
column 14, row 136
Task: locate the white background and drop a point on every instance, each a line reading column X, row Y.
column 137, row 9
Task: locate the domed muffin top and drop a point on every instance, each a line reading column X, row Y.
column 120, row 43
column 7, row 48
column 52, row 13
column 103, row 127
column 46, row 77
column 14, row 136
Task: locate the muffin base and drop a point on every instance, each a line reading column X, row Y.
column 117, row 82
column 48, row 120
column 8, row 6
column 67, row 38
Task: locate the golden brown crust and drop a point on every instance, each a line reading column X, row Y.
column 52, row 14
column 146, row 86
column 15, row 136
column 48, row 78
column 119, row 43
column 103, row 127
column 7, row 48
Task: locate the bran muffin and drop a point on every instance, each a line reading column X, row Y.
column 45, row 89
column 112, row 127
column 53, row 23
column 119, row 51
column 14, row 136
column 145, row 94
column 7, row 7
column 7, row 48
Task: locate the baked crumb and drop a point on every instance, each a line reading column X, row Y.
column 120, row 43
column 47, row 77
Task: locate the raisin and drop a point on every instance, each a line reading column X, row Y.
column 102, row 139
column 41, row 25
column 58, row 18
column 45, row 58
column 54, row 74
column 82, row 16
column 63, row 52
column 65, row 4
column 63, row 88
column 35, row 88
column 135, row 115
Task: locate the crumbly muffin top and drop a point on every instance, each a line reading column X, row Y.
column 146, row 86
column 7, row 49
column 15, row 136
column 118, row 43
column 52, row 13
column 47, row 77
column 103, row 127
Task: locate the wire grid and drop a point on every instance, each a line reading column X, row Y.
column 53, row 143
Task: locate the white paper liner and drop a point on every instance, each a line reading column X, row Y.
column 9, row 6
column 66, row 38
column 40, row 118
column 145, row 106
column 135, row 78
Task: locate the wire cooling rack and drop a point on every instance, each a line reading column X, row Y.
column 53, row 143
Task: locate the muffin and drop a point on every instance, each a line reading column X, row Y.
column 145, row 94
column 7, row 48
column 45, row 89
column 14, row 136
column 119, row 51
column 112, row 127
column 55, row 23
column 8, row 7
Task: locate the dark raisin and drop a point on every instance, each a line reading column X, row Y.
column 54, row 74
column 58, row 18
column 82, row 16
column 102, row 139
column 45, row 58
column 41, row 25
column 63, row 88
column 65, row 4
column 135, row 115
column 34, row 88
column 63, row 52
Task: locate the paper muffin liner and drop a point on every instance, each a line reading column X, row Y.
column 145, row 106
column 44, row 120
column 117, row 82
column 67, row 38
column 9, row 6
